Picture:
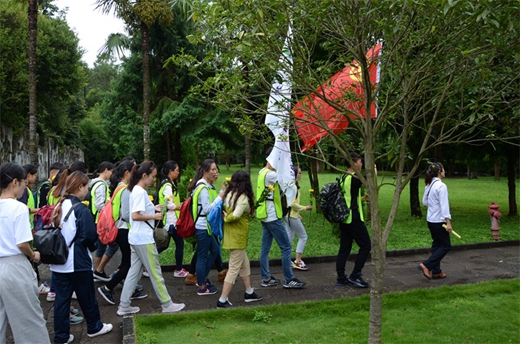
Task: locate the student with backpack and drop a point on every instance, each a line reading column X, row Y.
column 142, row 244
column 42, row 191
column 75, row 275
column 205, row 198
column 121, row 214
column 18, row 290
column 168, row 194
column 353, row 229
column 99, row 194
column 293, row 222
column 270, row 213
column 239, row 204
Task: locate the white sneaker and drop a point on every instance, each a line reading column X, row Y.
column 174, row 307
column 71, row 338
column 180, row 273
column 51, row 296
column 146, row 273
column 74, row 296
column 104, row 330
column 127, row 310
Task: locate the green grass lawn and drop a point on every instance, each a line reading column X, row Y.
column 475, row 313
column 469, row 201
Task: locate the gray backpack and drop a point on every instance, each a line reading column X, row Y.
column 332, row 201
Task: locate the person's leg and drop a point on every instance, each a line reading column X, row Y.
column 280, row 235
column 213, row 249
column 64, row 287
column 345, row 246
column 359, row 233
column 267, row 241
column 150, row 260
column 124, row 267
column 179, row 247
column 100, row 251
column 193, row 265
column 299, row 229
column 110, row 250
column 288, row 226
column 203, row 243
column 133, row 276
column 83, row 284
column 232, row 274
column 441, row 239
column 20, row 303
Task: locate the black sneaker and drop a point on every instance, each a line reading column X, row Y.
column 358, row 281
column 137, row 295
column 342, row 281
column 101, row 276
column 252, row 297
column 107, row 294
column 226, row 304
column 271, row 282
column 293, row 284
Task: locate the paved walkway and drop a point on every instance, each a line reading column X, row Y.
column 464, row 264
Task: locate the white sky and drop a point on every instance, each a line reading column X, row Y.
column 91, row 26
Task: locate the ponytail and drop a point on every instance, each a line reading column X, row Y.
column 433, row 171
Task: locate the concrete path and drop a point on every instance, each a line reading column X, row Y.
column 464, row 264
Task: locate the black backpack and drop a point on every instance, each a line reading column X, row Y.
column 332, row 201
column 285, row 207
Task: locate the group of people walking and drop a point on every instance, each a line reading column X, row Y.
column 126, row 184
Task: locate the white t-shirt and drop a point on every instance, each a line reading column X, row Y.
column 15, row 227
column 140, row 232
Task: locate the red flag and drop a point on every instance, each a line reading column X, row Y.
column 314, row 114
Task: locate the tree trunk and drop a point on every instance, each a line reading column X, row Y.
column 512, row 162
column 247, row 151
column 415, row 204
column 32, row 14
column 146, row 91
column 313, row 178
column 497, row 170
column 378, row 256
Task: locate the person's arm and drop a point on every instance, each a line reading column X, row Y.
column 86, row 227
column 100, row 193
column 444, row 205
column 168, row 192
column 425, row 196
column 240, row 207
column 125, row 206
column 34, row 256
column 204, row 201
column 140, row 206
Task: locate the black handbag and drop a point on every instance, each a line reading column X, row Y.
column 51, row 244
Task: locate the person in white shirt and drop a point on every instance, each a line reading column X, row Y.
column 18, row 290
column 436, row 199
column 142, row 244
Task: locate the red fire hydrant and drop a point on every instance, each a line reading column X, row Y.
column 495, row 214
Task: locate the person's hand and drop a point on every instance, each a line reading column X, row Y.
column 157, row 216
column 223, row 188
column 36, row 257
column 224, row 214
column 309, row 207
column 157, row 207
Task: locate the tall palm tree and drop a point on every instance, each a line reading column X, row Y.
column 140, row 15
column 32, row 14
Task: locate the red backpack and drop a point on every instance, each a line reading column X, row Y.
column 186, row 223
column 43, row 217
column 106, row 225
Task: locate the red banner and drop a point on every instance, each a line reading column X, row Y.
column 328, row 107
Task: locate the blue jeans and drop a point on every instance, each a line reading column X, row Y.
column 275, row 229
column 207, row 250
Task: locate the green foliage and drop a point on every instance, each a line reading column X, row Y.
column 462, row 313
column 60, row 74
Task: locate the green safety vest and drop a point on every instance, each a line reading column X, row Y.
column 116, row 202
column 51, row 200
column 176, row 198
column 30, row 205
column 195, row 202
column 93, row 208
column 348, row 198
column 261, row 211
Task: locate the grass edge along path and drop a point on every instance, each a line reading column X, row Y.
column 486, row 312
